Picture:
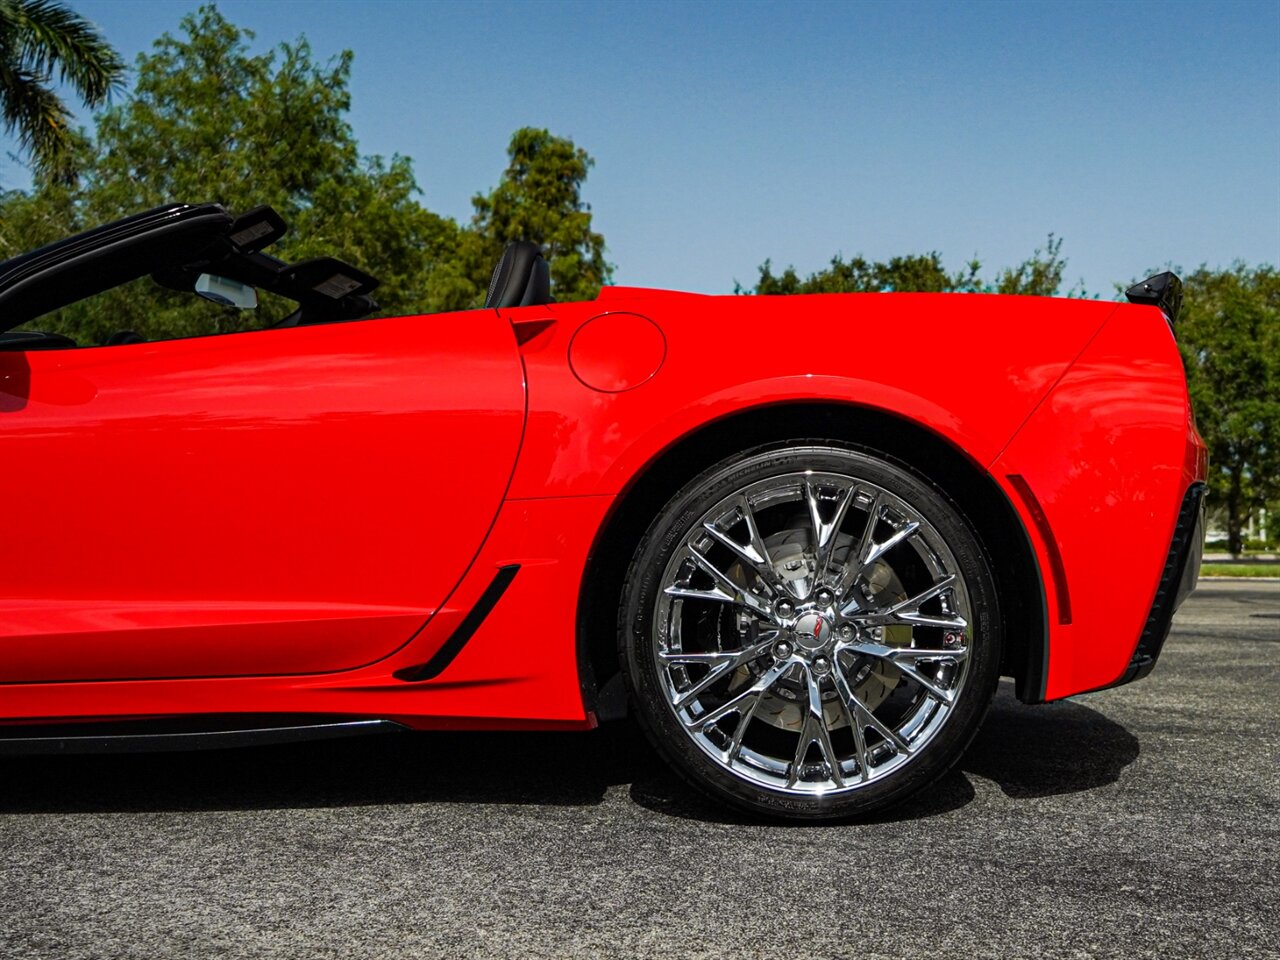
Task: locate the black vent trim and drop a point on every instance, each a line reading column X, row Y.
column 1181, row 571
column 469, row 625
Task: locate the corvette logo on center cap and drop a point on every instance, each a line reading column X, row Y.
column 812, row 630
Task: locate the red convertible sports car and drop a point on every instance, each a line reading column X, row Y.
column 800, row 538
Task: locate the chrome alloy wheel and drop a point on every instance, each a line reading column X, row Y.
column 812, row 633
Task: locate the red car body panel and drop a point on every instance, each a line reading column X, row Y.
column 514, row 673
column 1109, row 455
column 973, row 383
column 318, row 509
column 258, row 503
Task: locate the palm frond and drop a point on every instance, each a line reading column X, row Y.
column 40, row 120
column 46, row 38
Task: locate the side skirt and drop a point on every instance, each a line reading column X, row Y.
column 156, row 736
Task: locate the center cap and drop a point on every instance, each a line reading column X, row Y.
column 812, row 631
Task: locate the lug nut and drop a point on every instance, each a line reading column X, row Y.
column 825, row 597
column 784, row 608
column 782, row 650
column 821, row 665
column 847, row 632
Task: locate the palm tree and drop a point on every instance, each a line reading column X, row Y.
column 41, row 39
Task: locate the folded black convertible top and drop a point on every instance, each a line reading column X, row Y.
column 176, row 243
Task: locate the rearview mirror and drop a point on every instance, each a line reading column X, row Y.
column 229, row 293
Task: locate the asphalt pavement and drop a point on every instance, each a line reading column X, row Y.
column 1138, row 822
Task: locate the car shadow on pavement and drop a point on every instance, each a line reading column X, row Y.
column 1040, row 751
column 1027, row 751
column 1046, row 750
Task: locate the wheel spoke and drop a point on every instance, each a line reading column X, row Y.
column 825, row 533
column 913, row 604
column 905, row 659
column 726, row 590
column 740, row 731
column 859, row 736
column 754, row 550
column 689, row 593
column 901, row 533
column 711, row 659
column 908, row 611
column 722, row 664
column 908, row 655
column 863, row 717
column 814, row 730
column 753, row 692
column 869, row 550
column 929, row 620
column 729, row 585
column 867, row 540
column 940, row 693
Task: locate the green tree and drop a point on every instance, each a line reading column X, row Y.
column 209, row 120
column 41, row 40
column 1229, row 334
column 1038, row 275
column 540, row 198
column 916, row 273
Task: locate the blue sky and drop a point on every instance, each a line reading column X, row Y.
column 725, row 133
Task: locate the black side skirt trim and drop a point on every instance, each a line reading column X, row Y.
column 161, row 741
column 469, row 625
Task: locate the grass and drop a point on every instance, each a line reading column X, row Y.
column 1240, row 570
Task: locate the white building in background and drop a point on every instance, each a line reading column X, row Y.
column 1254, row 529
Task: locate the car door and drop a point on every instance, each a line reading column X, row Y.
column 281, row 501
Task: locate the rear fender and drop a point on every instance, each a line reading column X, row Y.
column 963, row 372
column 1107, row 459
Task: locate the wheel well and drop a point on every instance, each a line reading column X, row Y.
column 982, row 502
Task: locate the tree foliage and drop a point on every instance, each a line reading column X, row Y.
column 41, row 40
column 1038, row 275
column 1229, row 334
column 209, row 120
column 539, row 200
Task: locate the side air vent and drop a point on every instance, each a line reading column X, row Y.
column 469, row 625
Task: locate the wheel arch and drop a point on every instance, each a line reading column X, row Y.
column 980, row 499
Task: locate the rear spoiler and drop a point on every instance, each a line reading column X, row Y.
column 1164, row 290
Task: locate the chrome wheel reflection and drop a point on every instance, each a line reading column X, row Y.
column 813, row 632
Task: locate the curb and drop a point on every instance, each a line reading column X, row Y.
column 1211, row 576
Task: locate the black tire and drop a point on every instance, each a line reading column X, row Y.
column 649, row 618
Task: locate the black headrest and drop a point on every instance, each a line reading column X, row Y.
column 124, row 336
column 521, row 279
